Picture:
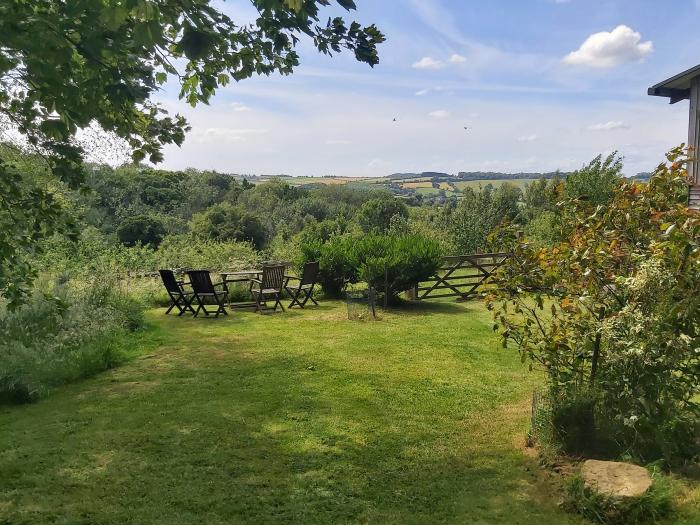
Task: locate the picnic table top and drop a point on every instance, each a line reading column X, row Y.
column 242, row 272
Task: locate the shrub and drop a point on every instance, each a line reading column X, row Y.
column 337, row 262
column 389, row 263
column 94, row 254
column 224, row 222
column 544, row 229
column 393, row 264
column 573, row 421
column 55, row 338
column 478, row 213
column 614, row 309
column 595, row 183
column 654, row 505
column 141, row 229
column 375, row 215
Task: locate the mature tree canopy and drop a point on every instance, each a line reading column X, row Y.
column 597, row 181
column 141, row 229
column 375, row 215
column 65, row 66
column 223, row 222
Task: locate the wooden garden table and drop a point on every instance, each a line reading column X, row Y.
column 240, row 276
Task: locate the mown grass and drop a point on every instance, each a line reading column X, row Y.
column 299, row 417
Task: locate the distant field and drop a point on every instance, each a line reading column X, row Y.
column 427, row 191
column 330, row 181
column 417, row 185
column 421, row 185
column 418, row 179
column 475, row 184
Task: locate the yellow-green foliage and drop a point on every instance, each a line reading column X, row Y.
column 612, row 312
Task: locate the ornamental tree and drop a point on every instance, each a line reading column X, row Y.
column 612, row 311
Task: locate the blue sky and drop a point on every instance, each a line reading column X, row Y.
column 542, row 85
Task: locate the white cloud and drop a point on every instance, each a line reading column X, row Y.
column 440, row 113
column 422, row 92
column 609, row 49
column 224, row 134
column 457, row 59
column 436, row 15
column 608, row 126
column 528, row 138
column 237, row 106
column 428, row 63
column 251, row 142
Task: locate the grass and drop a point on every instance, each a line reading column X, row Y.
column 652, row 506
column 418, row 184
column 297, row 417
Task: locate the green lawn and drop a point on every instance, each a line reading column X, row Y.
column 299, row 417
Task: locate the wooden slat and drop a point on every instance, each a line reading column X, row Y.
column 456, row 277
column 465, row 285
column 694, row 201
column 450, row 276
column 694, row 131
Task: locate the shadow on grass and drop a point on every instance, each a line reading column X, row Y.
column 251, row 438
column 433, row 307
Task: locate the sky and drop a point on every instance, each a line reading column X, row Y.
column 541, row 85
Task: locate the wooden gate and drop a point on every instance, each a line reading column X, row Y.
column 460, row 276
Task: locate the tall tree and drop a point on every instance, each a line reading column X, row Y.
column 67, row 65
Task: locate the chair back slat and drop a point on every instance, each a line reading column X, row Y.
column 169, row 281
column 273, row 277
column 201, row 281
column 310, row 273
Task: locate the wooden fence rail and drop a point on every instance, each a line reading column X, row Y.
column 460, row 276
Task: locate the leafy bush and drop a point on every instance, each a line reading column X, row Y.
column 652, row 506
column 375, row 215
column 595, row 183
column 478, row 213
column 93, row 254
column 543, row 230
column 389, row 263
column 73, row 332
column 337, row 262
column 613, row 311
column 573, row 421
column 393, row 264
column 223, row 222
column 141, row 229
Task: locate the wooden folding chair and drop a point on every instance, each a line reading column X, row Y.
column 204, row 289
column 179, row 298
column 302, row 289
column 270, row 286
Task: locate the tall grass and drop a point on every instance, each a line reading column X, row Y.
column 96, row 254
column 65, row 331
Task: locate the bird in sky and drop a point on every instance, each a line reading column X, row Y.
column 395, row 119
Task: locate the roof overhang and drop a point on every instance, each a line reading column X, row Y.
column 676, row 88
